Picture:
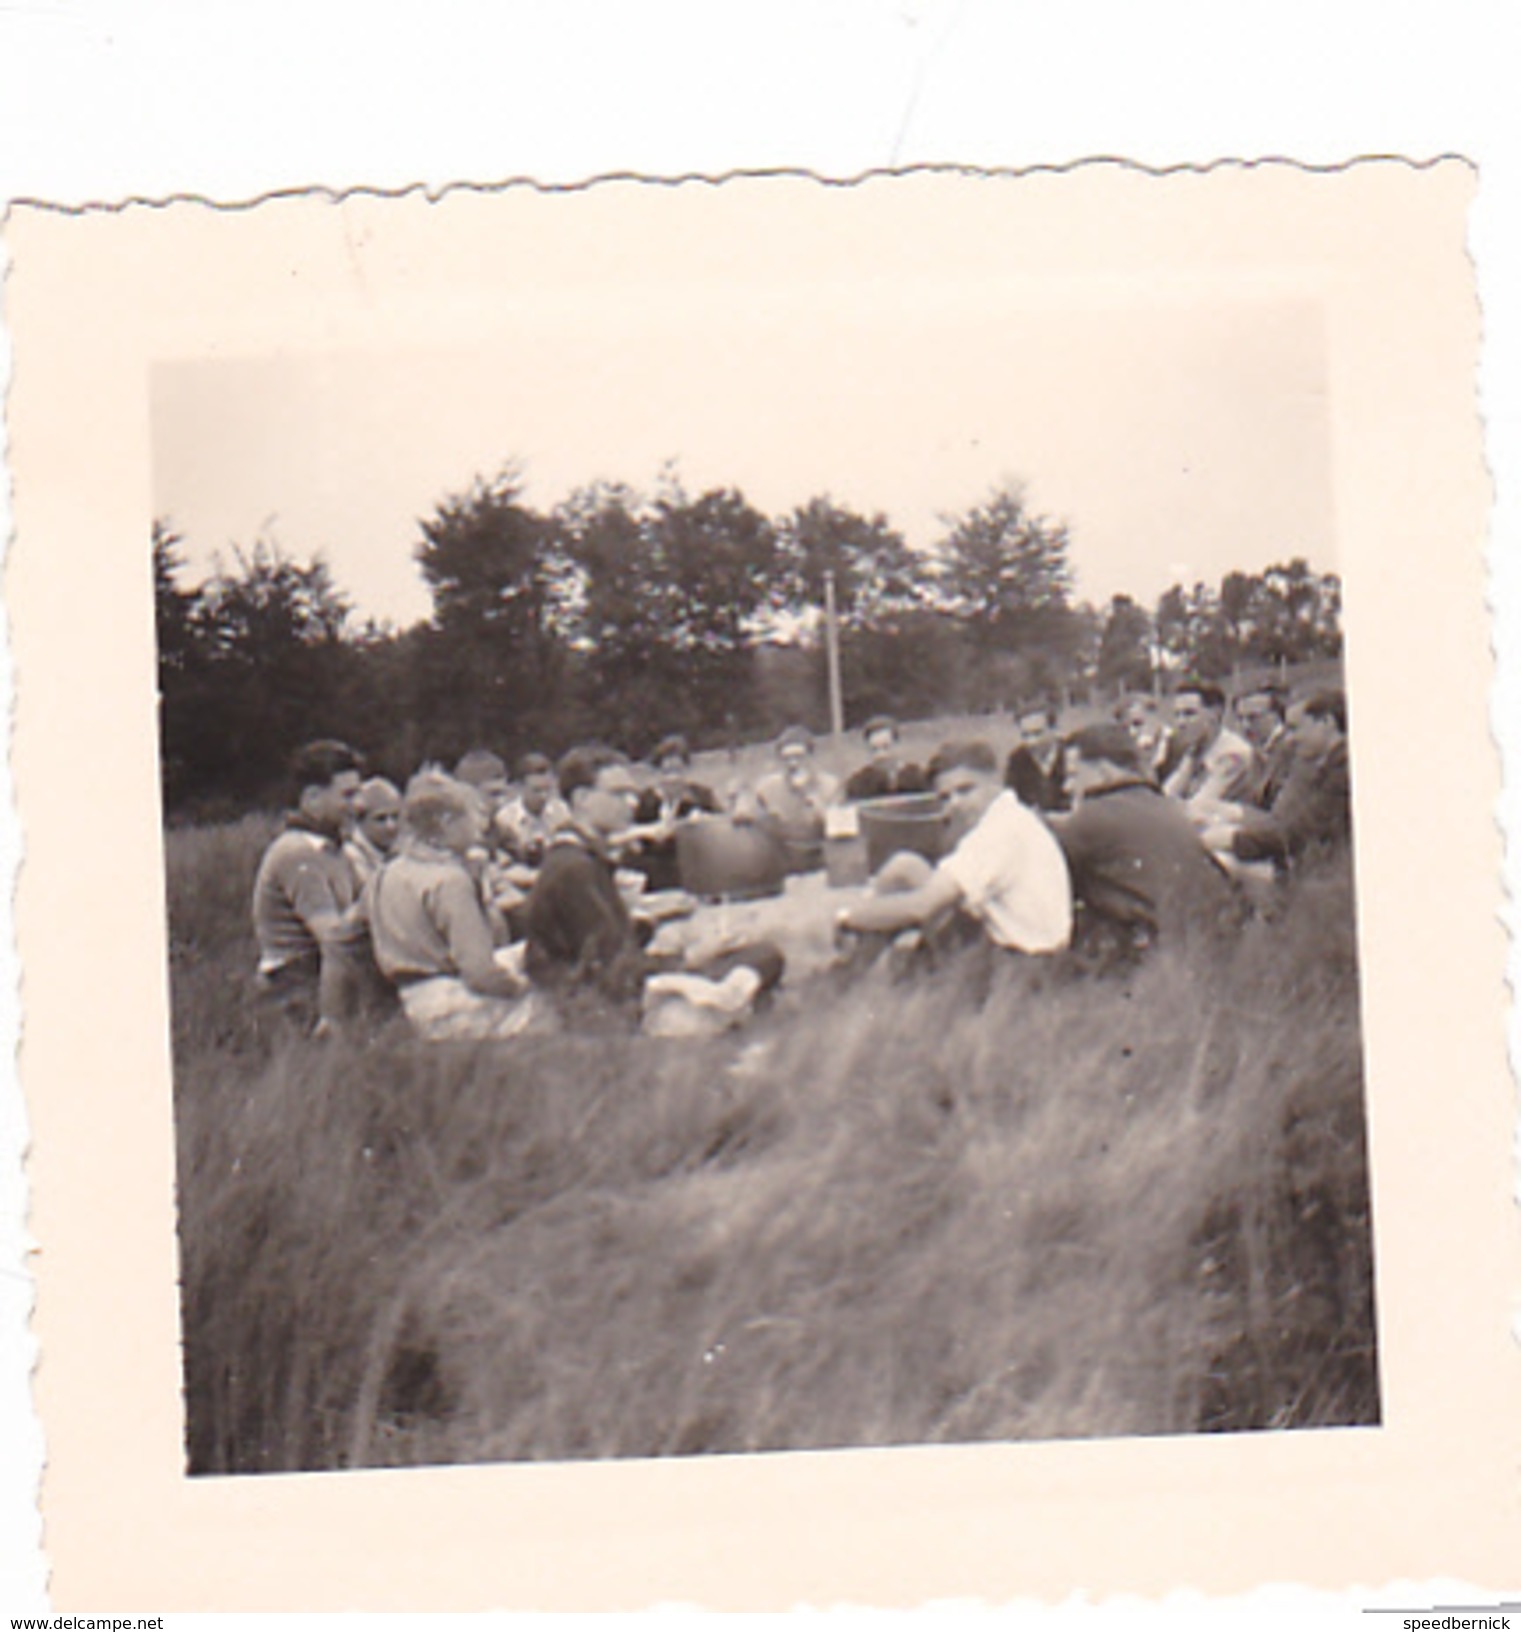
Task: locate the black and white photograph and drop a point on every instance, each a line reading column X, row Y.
column 753, row 892
column 764, row 865
column 399, row 400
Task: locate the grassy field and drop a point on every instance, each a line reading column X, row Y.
column 883, row 1214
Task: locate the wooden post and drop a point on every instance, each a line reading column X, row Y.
column 832, row 643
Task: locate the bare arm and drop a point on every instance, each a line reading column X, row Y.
column 886, row 914
column 334, row 984
column 334, row 929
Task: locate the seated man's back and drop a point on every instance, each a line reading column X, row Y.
column 1140, row 873
column 424, row 913
column 1012, row 878
column 579, row 931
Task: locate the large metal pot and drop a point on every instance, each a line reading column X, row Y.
column 723, row 860
column 903, row 821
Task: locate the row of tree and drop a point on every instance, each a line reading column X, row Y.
column 624, row 615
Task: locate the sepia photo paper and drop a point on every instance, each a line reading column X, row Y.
column 770, row 528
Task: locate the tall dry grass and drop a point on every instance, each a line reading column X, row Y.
column 885, row 1214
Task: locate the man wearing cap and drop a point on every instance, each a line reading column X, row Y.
column 1141, row 875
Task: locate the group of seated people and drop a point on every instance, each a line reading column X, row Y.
column 485, row 908
column 1158, row 826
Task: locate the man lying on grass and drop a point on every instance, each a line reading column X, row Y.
column 1006, row 873
column 306, row 915
column 431, row 934
column 582, row 941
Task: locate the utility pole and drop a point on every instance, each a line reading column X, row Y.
column 832, row 644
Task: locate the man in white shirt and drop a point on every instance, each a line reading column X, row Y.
column 527, row 823
column 1216, row 767
column 1006, row 872
column 790, row 802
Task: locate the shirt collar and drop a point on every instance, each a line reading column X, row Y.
column 1119, row 785
column 298, row 822
column 422, row 850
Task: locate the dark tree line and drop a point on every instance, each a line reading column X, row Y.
column 1287, row 614
column 624, row 616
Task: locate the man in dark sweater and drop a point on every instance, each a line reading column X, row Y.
column 1312, row 811
column 885, row 772
column 1140, row 874
column 1261, row 714
column 581, row 938
column 673, row 797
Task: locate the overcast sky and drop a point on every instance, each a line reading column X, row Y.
column 1178, row 440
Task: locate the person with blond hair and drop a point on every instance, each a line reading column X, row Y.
column 431, row 935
